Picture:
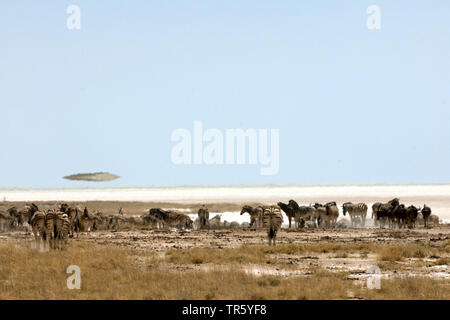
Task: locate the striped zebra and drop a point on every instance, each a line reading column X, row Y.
column 203, row 216
column 272, row 219
column 375, row 209
column 323, row 220
column 64, row 230
column 87, row 220
column 36, row 219
column 5, row 221
column 73, row 214
column 51, row 227
column 255, row 215
column 355, row 211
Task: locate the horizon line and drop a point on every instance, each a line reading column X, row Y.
column 222, row 186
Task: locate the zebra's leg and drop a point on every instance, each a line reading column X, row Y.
column 252, row 221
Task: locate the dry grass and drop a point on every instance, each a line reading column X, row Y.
column 110, row 272
column 399, row 252
column 245, row 254
column 410, row 288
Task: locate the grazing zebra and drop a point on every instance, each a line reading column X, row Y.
column 426, row 212
column 354, row 211
column 171, row 219
column 101, row 221
column 215, row 222
column 272, row 219
column 203, row 216
column 113, row 223
column 305, row 213
column 149, row 219
column 255, row 215
column 17, row 217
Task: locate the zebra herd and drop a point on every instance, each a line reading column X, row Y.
column 392, row 213
column 52, row 227
column 268, row 217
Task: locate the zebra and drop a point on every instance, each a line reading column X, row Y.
column 5, row 221
column 58, row 226
column 113, row 223
column 87, row 220
column 375, row 209
column 332, row 212
column 101, row 221
column 255, row 215
column 171, row 219
column 63, row 232
column 354, row 211
column 203, row 216
column 74, row 218
column 51, row 227
column 323, row 220
column 36, row 219
column 305, row 213
column 272, row 219
column 17, row 217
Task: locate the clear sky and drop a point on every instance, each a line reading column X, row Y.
column 352, row 105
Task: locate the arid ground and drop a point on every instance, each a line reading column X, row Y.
column 137, row 262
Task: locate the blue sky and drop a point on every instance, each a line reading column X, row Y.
column 353, row 105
